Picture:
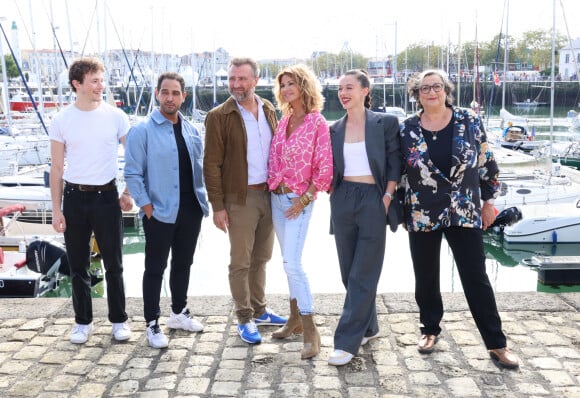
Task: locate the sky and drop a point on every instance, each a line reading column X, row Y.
column 269, row 29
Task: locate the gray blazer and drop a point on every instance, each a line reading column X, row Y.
column 383, row 151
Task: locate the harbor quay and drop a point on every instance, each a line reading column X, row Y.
column 37, row 359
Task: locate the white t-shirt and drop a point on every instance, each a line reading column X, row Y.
column 91, row 140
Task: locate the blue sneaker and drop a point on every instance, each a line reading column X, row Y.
column 249, row 333
column 271, row 318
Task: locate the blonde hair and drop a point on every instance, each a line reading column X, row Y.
column 309, row 86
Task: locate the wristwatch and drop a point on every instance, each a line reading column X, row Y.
column 309, row 196
column 389, row 195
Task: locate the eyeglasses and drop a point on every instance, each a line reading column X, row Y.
column 436, row 87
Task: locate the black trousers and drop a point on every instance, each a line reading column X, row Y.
column 467, row 247
column 181, row 239
column 359, row 225
column 99, row 213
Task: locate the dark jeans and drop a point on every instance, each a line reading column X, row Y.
column 360, row 228
column 467, row 247
column 181, row 239
column 99, row 213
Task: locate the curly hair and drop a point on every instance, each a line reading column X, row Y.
column 82, row 67
column 416, row 80
column 308, row 84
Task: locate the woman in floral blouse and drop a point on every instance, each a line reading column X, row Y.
column 300, row 165
column 450, row 171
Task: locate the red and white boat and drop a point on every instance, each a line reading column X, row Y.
column 23, row 103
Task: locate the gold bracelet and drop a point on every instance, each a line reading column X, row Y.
column 304, row 199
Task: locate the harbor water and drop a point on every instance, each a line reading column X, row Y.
column 209, row 274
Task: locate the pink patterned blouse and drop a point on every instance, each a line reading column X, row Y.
column 304, row 158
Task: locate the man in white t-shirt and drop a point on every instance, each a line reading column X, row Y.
column 87, row 134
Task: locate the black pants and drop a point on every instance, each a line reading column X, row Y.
column 467, row 247
column 181, row 239
column 99, row 213
column 359, row 225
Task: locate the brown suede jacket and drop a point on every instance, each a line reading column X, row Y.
column 225, row 164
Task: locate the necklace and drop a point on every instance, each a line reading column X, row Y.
column 296, row 120
column 434, row 134
column 436, row 123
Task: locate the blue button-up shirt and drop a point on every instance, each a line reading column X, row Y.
column 152, row 165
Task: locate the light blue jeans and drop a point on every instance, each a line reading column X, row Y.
column 291, row 235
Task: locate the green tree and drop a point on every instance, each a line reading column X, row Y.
column 11, row 69
column 536, row 45
column 331, row 65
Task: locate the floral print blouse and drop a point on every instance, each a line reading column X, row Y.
column 434, row 200
column 302, row 158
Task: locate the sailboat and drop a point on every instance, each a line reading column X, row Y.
column 555, row 212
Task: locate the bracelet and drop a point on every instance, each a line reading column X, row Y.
column 389, row 195
column 304, row 200
column 126, row 193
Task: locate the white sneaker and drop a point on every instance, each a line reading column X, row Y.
column 80, row 333
column 366, row 339
column 155, row 336
column 121, row 331
column 339, row 358
column 184, row 321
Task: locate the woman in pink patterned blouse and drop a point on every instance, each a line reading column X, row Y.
column 300, row 165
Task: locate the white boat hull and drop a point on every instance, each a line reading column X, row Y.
column 33, row 197
column 544, row 230
column 537, row 194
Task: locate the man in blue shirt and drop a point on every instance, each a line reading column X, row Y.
column 163, row 171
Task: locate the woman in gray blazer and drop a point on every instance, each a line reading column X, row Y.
column 367, row 167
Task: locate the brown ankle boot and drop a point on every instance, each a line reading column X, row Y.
column 293, row 325
column 311, row 337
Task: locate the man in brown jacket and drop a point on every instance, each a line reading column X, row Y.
column 235, row 167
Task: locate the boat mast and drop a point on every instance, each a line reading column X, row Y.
column 37, row 60
column 5, row 96
column 476, row 102
column 70, row 40
column 505, row 55
column 214, row 77
column 552, row 84
column 459, row 67
column 571, row 43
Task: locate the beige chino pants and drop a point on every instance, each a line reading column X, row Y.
column 251, row 234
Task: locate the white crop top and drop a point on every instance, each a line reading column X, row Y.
column 356, row 162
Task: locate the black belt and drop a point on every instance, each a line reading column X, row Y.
column 110, row 186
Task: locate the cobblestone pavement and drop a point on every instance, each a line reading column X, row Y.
column 37, row 359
